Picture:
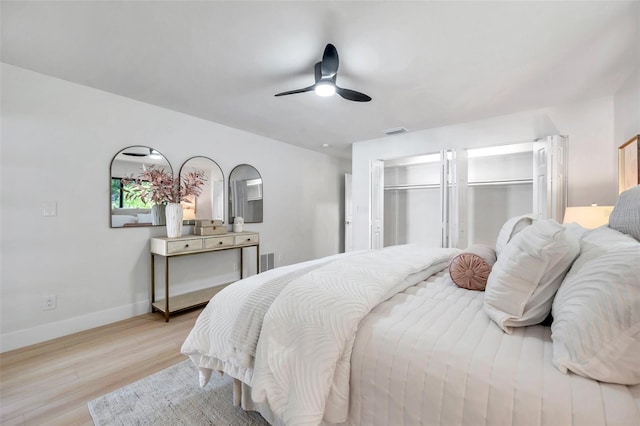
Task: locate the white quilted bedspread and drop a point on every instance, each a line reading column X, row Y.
column 209, row 344
column 302, row 364
column 432, row 356
column 427, row 356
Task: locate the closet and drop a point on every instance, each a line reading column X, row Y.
column 500, row 186
column 412, row 208
column 455, row 198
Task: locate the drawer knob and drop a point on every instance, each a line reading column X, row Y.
column 248, row 239
column 186, row 245
column 220, row 242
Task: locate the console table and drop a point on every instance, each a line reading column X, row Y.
column 195, row 244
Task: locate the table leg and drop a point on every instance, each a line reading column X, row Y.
column 153, row 281
column 241, row 267
column 258, row 259
column 166, row 289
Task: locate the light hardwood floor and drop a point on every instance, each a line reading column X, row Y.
column 51, row 382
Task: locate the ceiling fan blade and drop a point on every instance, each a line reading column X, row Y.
column 138, row 152
column 291, row 92
column 330, row 62
column 317, row 71
column 352, row 95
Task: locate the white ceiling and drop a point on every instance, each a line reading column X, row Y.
column 425, row 64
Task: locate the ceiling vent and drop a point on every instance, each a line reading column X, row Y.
column 395, row 131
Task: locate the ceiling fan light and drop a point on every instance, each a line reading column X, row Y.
column 325, row 89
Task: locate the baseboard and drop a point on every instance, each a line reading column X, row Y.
column 42, row 333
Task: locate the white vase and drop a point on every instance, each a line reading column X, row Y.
column 158, row 214
column 173, row 214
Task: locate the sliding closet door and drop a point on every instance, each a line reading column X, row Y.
column 377, row 204
column 445, row 195
column 550, row 182
column 560, row 182
column 454, row 199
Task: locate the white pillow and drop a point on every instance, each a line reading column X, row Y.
column 596, row 312
column 510, row 228
column 522, row 283
column 625, row 216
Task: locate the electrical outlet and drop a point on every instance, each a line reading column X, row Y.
column 49, row 302
column 50, row 209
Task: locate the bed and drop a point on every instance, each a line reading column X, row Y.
column 386, row 337
column 130, row 217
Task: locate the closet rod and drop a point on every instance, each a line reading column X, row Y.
column 501, row 182
column 479, row 183
column 413, row 186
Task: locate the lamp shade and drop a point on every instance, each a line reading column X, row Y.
column 589, row 217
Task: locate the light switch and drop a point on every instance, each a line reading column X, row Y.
column 50, row 209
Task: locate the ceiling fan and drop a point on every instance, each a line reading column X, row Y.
column 142, row 151
column 325, row 74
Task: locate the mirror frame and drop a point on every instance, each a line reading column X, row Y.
column 192, row 221
column 231, row 218
column 131, row 225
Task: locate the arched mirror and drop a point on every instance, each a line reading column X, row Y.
column 132, row 211
column 245, row 194
column 210, row 203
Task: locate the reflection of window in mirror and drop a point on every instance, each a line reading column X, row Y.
column 119, row 198
column 210, row 203
column 132, row 211
column 254, row 189
column 245, row 194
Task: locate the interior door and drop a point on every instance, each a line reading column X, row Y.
column 377, row 205
column 348, row 213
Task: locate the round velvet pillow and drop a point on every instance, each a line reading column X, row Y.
column 471, row 268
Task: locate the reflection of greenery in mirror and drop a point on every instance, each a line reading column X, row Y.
column 119, row 198
column 128, row 211
column 245, row 194
column 210, row 203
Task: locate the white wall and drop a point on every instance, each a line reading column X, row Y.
column 592, row 151
column 626, row 109
column 58, row 139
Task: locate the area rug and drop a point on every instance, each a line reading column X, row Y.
column 173, row 397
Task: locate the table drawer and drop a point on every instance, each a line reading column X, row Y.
column 184, row 246
column 211, row 243
column 246, row 239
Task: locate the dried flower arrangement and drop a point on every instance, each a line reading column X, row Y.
column 159, row 187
